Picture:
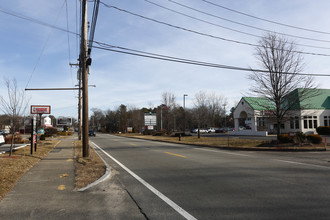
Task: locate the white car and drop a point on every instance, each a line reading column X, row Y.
column 200, row 130
column 2, row 139
column 210, row 130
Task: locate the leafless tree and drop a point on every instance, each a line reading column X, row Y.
column 283, row 62
column 168, row 110
column 207, row 107
column 14, row 104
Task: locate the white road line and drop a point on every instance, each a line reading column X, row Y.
column 177, row 208
column 299, row 163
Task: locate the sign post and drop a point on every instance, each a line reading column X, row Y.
column 37, row 109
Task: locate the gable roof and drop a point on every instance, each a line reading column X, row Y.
column 259, row 103
column 320, row 99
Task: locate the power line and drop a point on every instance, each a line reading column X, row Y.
column 104, row 46
column 200, row 33
column 93, row 25
column 44, row 46
column 238, row 31
column 263, row 19
column 67, row 27
column 242, row 24
column 24, row 17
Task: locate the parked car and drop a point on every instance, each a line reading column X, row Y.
column 201, row 130
column 2, row 132
column 210, row 130
column 2, row 139
column 220, row 130
column 92, row 133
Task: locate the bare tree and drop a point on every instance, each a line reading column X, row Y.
column 168, row 110
column 283, row 62
column 14, row 105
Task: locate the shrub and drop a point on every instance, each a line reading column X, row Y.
column 17, row 139
column 50, row 132
column 300, row 137
column 285, row 138
column 158, row 134
column 314, row 138
column 323, row 130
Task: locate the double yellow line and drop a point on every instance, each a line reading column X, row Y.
column 178, row 155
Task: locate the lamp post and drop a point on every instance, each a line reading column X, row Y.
column 184, row 112
column 224, row 105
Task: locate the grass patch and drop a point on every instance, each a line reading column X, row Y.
column 12, row 168
column 230, row 143
column 87, row 170
column 205, row 141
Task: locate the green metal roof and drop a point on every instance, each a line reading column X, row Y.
column 259, row 103
column 318, row 99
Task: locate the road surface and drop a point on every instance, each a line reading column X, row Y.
column 171, row 181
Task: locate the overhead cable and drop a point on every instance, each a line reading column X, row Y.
column 263, row 19
column 200, row 33
column 104, row 46
column 239, row 23
column 242, row 32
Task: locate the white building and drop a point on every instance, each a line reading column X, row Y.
column 254, row 115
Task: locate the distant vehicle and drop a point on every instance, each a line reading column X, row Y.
column 220, row 130
column 210, row 130
column 2, row 132
column 92, row 133
column 201, row 130
column 2, row 139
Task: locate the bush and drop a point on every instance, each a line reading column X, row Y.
column 50, row 132
column 323, row 130
column 285, row 138
column 300, row 137
column 18, row 139
column 314, row 138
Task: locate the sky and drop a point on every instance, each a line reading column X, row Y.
column 38, row 55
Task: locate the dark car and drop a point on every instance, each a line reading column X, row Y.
column 92, row 133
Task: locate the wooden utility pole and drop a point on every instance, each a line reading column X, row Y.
column 84, row 73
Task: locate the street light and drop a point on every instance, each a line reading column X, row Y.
column 184, row 112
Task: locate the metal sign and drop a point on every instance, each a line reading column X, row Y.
column 64, row 121
column 40, row 109
column 150, row 119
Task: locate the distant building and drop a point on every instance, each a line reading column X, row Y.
column 254, row 115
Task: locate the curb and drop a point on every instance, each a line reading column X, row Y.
column 103, row 178
column 16, row 148
column 278, row 149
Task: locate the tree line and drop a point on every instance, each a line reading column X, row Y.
column 209, row 110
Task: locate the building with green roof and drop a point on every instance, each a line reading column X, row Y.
column 254, row 115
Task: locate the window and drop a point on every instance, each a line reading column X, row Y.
column 311, row 122
column 305, row 122
column 296, row 122
column 291, row 123
column 325, row 120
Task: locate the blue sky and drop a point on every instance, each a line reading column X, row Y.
column 38, row 56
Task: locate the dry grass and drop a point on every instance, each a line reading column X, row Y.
column 225, row 142
column 89, row 169
column 205, row 141
column 12, row 168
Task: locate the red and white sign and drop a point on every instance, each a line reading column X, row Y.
column 40, row 109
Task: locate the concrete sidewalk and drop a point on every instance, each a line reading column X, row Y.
column 47, row 191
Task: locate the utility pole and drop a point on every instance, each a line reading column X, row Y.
column 79, row 97
column 84, row 73
column 79, row 104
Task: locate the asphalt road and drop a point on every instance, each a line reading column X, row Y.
column 170, row 181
